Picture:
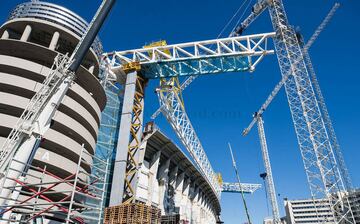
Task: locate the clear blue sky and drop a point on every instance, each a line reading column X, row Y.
column 221, row 106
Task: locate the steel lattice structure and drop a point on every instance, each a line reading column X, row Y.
column 319, row 161
column 231, row 54
column 269, row 178
column 331, row 132
column 175, row 113
column 235, row 188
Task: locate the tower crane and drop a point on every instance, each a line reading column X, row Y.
column 320, row 163
column 269, row 181
column 21, row 145
column 258, row 117
column 334, row 142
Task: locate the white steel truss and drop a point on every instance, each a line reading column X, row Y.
column 236, row 188
column 174, row 111
column 319, row 161
column 306, row 48
column 196, row 58
column 331, row 132
column 269, row 178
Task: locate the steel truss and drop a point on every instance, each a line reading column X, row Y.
column 231, row 54
column 235, row 188
column 319, row 161
column 174, row 111
column 76, row 198
column 327, row 120
column 269, row 177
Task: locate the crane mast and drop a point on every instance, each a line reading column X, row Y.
column 270, row 186
column 333, row 139
column 319, row 160
column 334, row 142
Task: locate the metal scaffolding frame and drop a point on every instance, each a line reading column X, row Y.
column 40, row 194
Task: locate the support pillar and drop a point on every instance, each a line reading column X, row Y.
column 179, row 190
column 5, row 35
column 26, row 34
column 163, row 177
column 170, row 207
column 54, row 40
column 185, row 201
column 153, row 170
column 126, row 161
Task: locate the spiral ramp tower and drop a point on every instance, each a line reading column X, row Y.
column 33, row 35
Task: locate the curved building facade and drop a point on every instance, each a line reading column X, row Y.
column 29, row 41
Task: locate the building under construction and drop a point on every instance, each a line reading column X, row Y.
column 76, row 148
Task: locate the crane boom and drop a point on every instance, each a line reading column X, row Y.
column 278, row 86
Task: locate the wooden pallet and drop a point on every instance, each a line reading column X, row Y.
column 135, row 213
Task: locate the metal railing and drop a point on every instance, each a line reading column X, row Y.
column 55, row 14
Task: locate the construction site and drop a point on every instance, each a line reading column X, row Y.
column 80, row 141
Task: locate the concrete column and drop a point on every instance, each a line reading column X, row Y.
column 179, row 189
column 54, row 40
column 5, row 35
column 118, row 183
column 163, row 177
column 195, row 215
column 153, row 170
column 172, row 186
column 26, row 34
column 185, row 200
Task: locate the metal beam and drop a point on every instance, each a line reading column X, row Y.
column 235, row 188
column 231, row 54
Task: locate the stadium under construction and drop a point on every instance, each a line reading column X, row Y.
column 76, row 148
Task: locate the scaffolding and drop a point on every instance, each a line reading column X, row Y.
column 41, row 195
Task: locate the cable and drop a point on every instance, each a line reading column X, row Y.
column 238, row 22
column 232, row 18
